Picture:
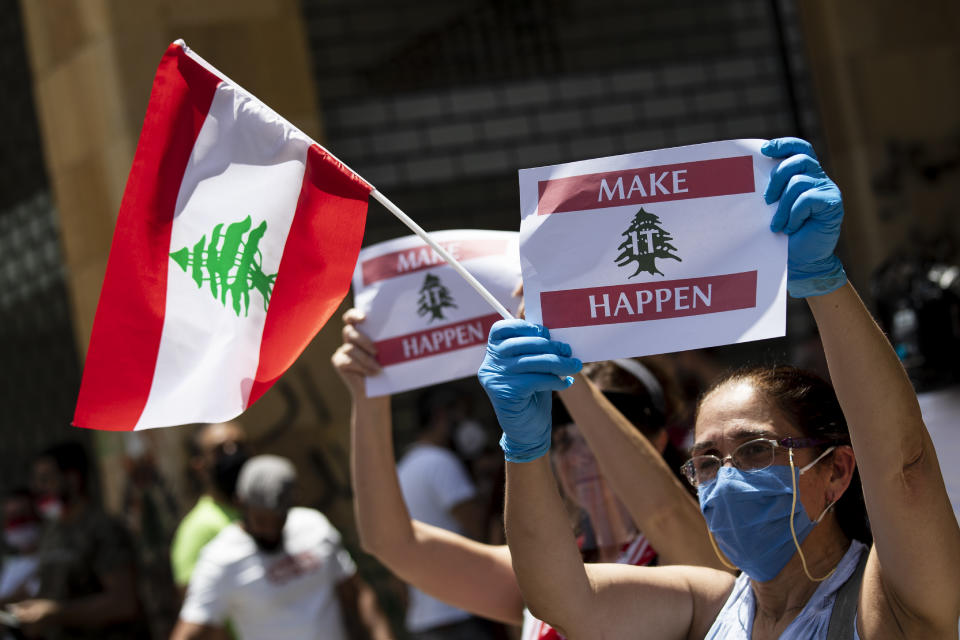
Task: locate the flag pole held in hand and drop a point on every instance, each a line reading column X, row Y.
column 443, row 253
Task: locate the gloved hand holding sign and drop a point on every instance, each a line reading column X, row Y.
column 521, row 369
column 810, row 212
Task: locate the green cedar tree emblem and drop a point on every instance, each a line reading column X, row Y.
column 434, row 297
column 229, row 264
column 645, row 241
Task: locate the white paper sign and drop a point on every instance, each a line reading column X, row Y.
column 653, row 252
column 429, row 325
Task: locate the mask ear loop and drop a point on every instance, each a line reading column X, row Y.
column 720, row 556
column 793, row 508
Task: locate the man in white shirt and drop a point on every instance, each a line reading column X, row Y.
column 279, row 573
column 438, row 491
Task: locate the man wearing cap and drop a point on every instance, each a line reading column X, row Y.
column 281, row 572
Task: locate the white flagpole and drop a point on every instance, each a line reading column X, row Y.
column 382, row 199
column 459, row 268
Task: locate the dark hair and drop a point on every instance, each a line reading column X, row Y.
column 433, row 400
column 23, row 494
column 68, row 456
column 20, row 493
column 195, row 440
column 648, row 409
column 810, row 404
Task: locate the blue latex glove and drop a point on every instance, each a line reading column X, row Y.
column 522, row 367
column 810, row 212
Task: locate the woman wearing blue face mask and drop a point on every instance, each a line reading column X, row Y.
column 777, row 462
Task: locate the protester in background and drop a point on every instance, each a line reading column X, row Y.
column 438, row 490
column 87, row 560
column 917, row 299
column 151, row 513
column 280, row 573
column 478, row 449
column 479, row 577
column 217, row 452
column 777, row 461
column 22, row 528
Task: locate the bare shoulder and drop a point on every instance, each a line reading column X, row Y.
column 667, row 602
column 710, row 589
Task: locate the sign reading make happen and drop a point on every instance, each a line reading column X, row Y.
column 428, row 324
column 653, row 252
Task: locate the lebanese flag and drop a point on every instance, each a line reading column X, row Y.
column 236, row 240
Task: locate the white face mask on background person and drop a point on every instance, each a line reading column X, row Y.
column 469, row 438
column 50, row 508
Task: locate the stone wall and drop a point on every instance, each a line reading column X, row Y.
column 888, row 82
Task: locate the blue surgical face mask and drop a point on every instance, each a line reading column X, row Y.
column 748, row 513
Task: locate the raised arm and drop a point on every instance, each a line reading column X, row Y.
column 462, row 572
column 917, row 541
column 609, row 601
column 665, row 512
column 522, row 367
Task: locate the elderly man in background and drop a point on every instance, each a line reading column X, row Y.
column 281, row 572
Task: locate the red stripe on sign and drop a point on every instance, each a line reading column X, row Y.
column 126, row 329
column 432, row 342
column 423, row 257
column 685, row 181
column 649, row 301
column 317, row 263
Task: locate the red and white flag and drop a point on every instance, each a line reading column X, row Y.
column 235, row 242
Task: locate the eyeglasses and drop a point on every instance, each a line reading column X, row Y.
column 750, row 456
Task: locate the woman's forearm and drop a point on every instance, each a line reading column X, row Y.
column 658, row 503
column 548, row 566
column 462, row 572
column 100, row 609
column 383, row 521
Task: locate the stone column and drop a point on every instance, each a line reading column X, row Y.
column 887, row 79
column 93, row 63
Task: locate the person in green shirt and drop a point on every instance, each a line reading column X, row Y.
column 218, row 451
